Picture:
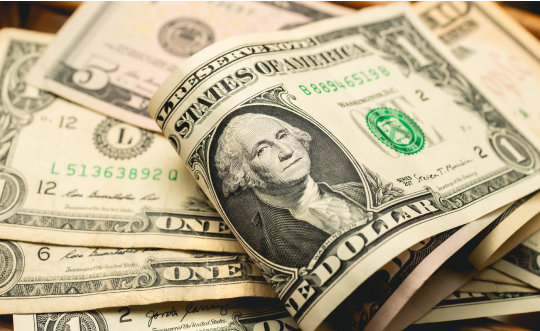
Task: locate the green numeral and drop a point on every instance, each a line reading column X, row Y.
column 83, row 171
column 98, row 171
column 146, row 173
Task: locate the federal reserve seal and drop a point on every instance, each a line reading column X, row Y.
column 185, row 36
column 119, row 140
column 396, row 130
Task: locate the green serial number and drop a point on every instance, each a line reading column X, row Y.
column 82, row 170
column 353, row 80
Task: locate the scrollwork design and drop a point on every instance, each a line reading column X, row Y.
column 138, row 223
column 146, row 277
column 13, row 118
column 441, row 203
column 274, row 96
column 386, row 39
column 271, row 96
column 200, row 203
column 381, row 191
column 198, row 156
column 278, row 280
column 236, row 324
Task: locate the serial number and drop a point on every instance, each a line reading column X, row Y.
column 82, row 170
column 352, row 80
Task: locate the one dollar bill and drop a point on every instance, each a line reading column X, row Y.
column 246, row 314
column 458, row 306
column 361, row 135
column 523, row 262
column 111, row 57
column 70, row 176
column 489, row 42
column 45, row 278
column 378, row 302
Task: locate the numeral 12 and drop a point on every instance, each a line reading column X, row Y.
column 46, row 191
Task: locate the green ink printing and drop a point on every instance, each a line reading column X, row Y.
column 396, row 130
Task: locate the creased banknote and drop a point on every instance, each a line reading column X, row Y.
column 465, row 299
column 361, row 135
column 459, row 269
column 112, row 56
column 523, row 262
column 247, row 314
column 501, row 53
column 375, row 303
column 479, row 286
column 74, row 177
column 45, row 278
column 492, row 275
column 460, row 306
column 506, row 59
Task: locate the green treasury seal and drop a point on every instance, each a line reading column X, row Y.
column 396, row 130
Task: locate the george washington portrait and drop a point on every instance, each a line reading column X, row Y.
column 285, row 185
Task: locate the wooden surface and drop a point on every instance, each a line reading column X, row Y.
column 6, row 323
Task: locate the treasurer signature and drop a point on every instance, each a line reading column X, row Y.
column 190, row 309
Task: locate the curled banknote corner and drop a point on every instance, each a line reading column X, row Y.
column 330, row 149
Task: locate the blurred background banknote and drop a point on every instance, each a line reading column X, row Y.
column 386, row 293
column 498, row 50
column 59, row 278
column 71, row 176
column 523, row 262
column 506, row 287
column 234, row 314
column 112, row 56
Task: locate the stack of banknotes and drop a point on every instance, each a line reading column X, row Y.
column 174, row 166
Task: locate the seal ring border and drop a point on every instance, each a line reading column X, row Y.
column 183, row 51
column 103, row 146
column 412, row 123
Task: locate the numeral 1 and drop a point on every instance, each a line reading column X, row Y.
column 368, row 79
column 83, row 171
column 517, row 155
column 2, row 186
column 75, row 324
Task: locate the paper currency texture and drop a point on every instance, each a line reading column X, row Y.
column 361, row 135
column 523, row 262
column 46, row 278
column 249, row 314
column 111, row 57
column 74, row 177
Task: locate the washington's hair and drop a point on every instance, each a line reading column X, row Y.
column 231, row 160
